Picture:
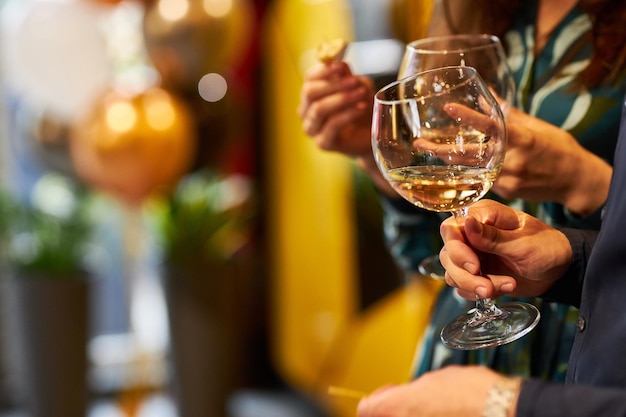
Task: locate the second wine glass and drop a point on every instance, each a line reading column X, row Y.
column 481, row 51
column 439, row 139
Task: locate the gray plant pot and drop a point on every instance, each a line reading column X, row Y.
column 47, row 327
column 204, row 304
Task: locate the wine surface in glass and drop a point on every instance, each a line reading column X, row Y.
column 442, row 188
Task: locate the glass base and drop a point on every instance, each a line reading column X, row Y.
column 432, row 268
column 518, row 320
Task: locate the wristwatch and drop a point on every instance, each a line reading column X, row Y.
column 501, row 396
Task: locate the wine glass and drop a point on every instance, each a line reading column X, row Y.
column 439, row 139
column 481, row 51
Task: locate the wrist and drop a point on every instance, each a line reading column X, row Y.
column 589, row 191
column 502, row 398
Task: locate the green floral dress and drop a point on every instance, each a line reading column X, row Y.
column 592, row 116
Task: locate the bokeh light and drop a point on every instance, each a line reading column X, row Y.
column 212, row 87
column 217, row 8
column 173, row 10
column 121, row 117
column 160, row 114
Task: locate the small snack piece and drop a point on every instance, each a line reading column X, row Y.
column 334, row 50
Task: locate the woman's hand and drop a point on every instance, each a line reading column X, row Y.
column 336, row 112
column 498, row 250
column 546, row 163
column 470, row 150
column 336, row 109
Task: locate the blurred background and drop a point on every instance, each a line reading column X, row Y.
column 171, row 243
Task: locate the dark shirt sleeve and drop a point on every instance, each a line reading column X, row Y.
column 568, row 289
column 539, row 398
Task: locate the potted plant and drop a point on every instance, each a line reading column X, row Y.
column 208, row 216
column 206, row 229
column 47, row 236
column 47, row 294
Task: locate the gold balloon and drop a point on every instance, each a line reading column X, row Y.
column 186, row 39
column 135, row 146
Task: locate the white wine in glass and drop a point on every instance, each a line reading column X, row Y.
column 439, row 139
column 481, row 51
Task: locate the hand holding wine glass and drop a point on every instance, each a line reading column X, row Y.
column 439, row 139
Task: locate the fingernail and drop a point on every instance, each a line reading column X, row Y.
column 506, row 287
column 481, row 292
column 470, row 267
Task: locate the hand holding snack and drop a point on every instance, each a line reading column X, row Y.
column 336, row 108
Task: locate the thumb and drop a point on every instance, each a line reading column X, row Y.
column 474, row 230
column 483, row 236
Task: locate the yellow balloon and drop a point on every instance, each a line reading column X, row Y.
column 186, row 39
column 136, row 146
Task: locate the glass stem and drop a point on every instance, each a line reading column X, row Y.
column 486, row 309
